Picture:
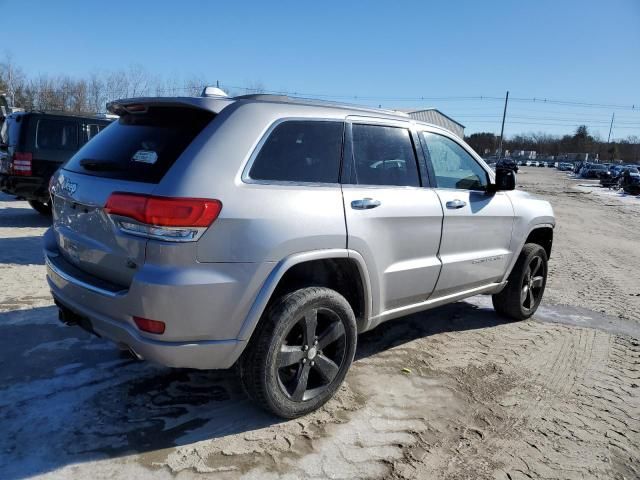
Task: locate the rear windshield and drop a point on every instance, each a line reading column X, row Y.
column 140, row 147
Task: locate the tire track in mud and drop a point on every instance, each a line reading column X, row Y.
column 543, row 432
column 564, row 438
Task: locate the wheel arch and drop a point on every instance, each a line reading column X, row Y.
column 340, row 269
column 542, row 232
column 543, row 236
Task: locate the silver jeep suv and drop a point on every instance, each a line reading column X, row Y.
column 266, row 232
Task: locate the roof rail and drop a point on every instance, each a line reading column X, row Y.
column 266, row 97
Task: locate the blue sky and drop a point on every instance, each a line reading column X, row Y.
column 385, row 52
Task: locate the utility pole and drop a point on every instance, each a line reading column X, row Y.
column 504, row 115
column 611, row 127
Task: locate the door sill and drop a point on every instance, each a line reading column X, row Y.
column 432, row 303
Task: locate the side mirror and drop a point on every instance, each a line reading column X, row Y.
column 505, row 180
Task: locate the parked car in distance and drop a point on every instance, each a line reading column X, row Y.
column 629, row 180
column 34, row 145
column 267, row 232
column 593, row 170
column 565, row 167
column 542, row 164
column 611, row 178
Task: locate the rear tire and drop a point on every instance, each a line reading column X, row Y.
column 522, row 295
column 300, row 353
column 40, row 207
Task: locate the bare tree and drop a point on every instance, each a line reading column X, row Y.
column 96, row 93
column 138, row 81
column 11, row 77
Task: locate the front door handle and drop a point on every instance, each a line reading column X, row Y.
column 455, row 204
column 365, row 204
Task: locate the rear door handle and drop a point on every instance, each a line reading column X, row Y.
column 365, row 204
column 454, row 204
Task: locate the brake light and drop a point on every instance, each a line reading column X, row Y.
column 21, row 163
column 151, row 326
column 165, row 218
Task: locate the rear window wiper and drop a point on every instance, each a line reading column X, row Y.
column 100, row 165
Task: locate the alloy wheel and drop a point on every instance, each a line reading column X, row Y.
column 533, row 283
column 311, row 354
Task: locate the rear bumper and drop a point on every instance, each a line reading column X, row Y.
column 31, row 188
column 204, row 355
column 203, row 312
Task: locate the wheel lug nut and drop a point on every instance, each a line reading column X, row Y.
column 315, row 342
column 312, row 363
column 304, row 360
column 305, row 348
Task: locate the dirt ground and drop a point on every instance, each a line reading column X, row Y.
column 554, row 397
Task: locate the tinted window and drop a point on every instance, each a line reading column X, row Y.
column 141, row 146
column 384, row 156
column 452, row 165
column 301, row 151
column 54, row 134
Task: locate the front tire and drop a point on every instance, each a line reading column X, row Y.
column 41, row 207
column 300, row 353
column 521, row 297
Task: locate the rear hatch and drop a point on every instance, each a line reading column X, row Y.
column 131, row 155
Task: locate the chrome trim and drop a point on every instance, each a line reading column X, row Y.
column 80, row 283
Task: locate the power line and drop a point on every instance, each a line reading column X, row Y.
column 553, row 124
column 462, row 98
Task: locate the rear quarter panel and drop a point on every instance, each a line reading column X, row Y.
column 258, row 222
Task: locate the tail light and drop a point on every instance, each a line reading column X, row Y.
column 162, row 218
column 151, row 326
column 21, row 163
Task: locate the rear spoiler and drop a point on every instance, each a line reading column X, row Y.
column 131, row 105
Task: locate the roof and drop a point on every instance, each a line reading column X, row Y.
column 320, row 103
column 217, row 103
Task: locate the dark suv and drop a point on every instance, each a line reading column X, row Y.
column 32, row 147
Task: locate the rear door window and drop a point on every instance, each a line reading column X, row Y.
column 384, row 156
column 141, row 146
column 56, row 134
column 306, row 151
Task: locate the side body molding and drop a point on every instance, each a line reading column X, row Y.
column 271, row 282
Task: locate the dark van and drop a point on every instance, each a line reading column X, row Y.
column 32, row 147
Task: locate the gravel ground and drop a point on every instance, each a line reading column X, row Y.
column 553, row 397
